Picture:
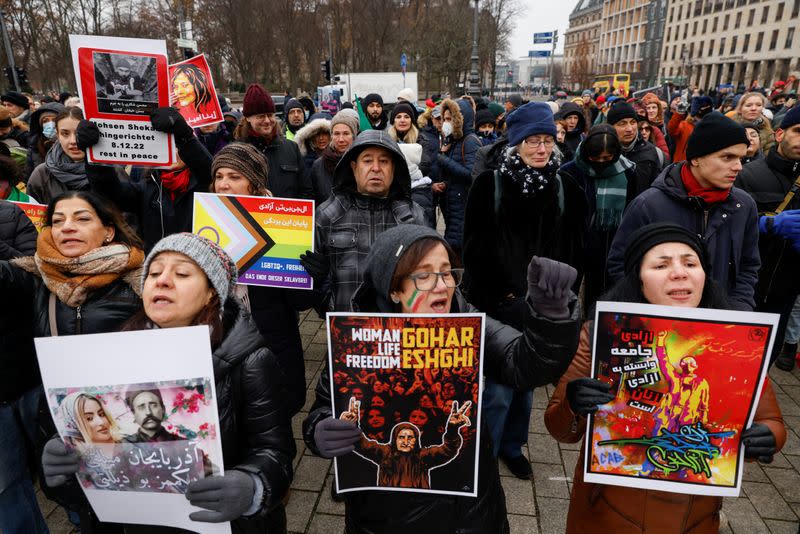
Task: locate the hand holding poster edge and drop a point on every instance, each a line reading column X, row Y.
column 756, row 319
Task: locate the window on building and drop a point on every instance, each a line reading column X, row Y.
column 721, row 46
column 746, row 43
column 700, row 49
column 725, row 23
column 773, row 42
column 691, row 50
column 711, row 46
column 789, row 38
column 705, row 25
column 738, row 20
column 671, row 13
column 751, row 17
column 685, row 30
column 779, row 13
column 765, row 15
column 759, row 41
column 694, row 28
column 674, row 51
column 734, row 40
column 740, row 3
column 796, row 9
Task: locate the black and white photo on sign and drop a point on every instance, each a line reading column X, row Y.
column 125, row 83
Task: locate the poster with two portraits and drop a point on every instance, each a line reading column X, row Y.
column 140, row 409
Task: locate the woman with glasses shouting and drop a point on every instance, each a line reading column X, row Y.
column 412, row 269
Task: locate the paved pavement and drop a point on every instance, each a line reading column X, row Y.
column 769, row 504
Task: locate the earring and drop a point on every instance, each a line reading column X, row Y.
column 108, row 239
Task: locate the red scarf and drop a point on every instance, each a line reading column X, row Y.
column 711, row 195
column 176, row 182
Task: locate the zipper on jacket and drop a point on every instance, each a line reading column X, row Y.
column 705, row 222
column 78, row 318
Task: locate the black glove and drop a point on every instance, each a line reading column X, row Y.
column 335, row 437
column 759, row 443
column 58, row 463
column 585, row 394
column 170, row 120
column 87, row 134
column 549, row 286
column 316, row 264
column 228, row 496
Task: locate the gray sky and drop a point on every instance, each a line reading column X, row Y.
column 540, row 16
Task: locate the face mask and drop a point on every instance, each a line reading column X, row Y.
column 487, row 135
column 601, row 166
column 447, row 129
column 305, row 113
column 49, row 129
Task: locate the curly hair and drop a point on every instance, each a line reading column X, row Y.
column 199, row 82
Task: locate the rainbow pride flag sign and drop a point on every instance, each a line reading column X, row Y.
column 263, row 235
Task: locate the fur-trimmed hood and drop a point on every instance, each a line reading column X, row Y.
column 307, row 133
column 458, row 118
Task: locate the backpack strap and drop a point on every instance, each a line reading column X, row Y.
column 51, row 312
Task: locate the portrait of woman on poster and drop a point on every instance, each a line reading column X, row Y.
column 192, row 93
column 86, row 420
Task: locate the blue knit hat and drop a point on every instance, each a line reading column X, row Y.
column 531, row 119
column 791, row 118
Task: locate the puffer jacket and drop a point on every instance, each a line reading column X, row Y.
column 348, row 222
column 18, row 369
column 768, row 180
column 455, row 168
column 730, row 230
column 624, row 510
column 523, row 360
column 158, row 213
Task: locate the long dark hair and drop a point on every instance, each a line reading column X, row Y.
column 107, row 212
column 198, row 80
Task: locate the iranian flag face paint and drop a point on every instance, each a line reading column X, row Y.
column 415, row 300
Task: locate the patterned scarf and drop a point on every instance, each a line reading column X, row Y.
column 73, row 279
column 530, row 181
column 70, row 173
column 612, row 190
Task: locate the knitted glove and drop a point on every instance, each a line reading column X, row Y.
column 87, row 134
column 759, row 443
column 169, row 120
column 316, row 264
column 58, row 463
column 549, row 285
column 786, row 225
column 336, row 437
column 228, row 496
column 585, row 394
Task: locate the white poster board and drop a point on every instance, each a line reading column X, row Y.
column 136, row 461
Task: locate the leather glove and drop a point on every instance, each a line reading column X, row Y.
column 786, row 225
column 87, row 134
column 336, row 437
column 58, row 463
column 316, row 264
column 227, row 496
column 169, row 120
column 585, row 394
column 549, row 286
column 759, row 443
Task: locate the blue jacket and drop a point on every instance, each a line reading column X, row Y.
column 730, row 230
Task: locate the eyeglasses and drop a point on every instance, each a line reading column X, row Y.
column 427, row 281
column 536, row 143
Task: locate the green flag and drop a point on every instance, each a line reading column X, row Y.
column 363, row 120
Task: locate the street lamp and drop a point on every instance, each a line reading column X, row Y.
column 474, row 79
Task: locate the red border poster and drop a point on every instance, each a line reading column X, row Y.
column 686, row 385
column 120, row 82
column 35, row 212
column 192, row 92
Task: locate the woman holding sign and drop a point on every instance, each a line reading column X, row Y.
column 665, row 264
column 188, row 280
column 412, row 269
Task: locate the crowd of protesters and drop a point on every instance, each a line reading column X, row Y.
column 681, row 199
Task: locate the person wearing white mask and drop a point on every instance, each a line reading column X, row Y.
column 42, row 134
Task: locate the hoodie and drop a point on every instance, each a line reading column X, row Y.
column 574, row 137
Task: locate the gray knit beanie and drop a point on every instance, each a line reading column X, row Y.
column 245, row 159
column 348, row 117
column 215, row 262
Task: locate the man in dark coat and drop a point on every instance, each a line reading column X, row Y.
column 373, row 107
column 769, row 180
column 699, row 194
column 295, row 115
column 648, row 159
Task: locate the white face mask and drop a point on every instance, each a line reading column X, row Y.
column 447, row 129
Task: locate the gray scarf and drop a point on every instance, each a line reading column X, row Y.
column 70, row 173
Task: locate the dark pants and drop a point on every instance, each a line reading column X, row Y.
column 783, row 305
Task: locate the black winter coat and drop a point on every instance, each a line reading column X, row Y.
column 489, row 158
column 649, row 161
column 18, row 369
column 159, row 215
column 321, row 181
column 573, row 138
column 287, row 178
column 767, row 180
column 523, row 360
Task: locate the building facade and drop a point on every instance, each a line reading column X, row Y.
column 739, row 42
column 623, row 38
column 582, row 44
column 653, row 41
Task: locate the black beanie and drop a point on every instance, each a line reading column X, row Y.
column 403, row 107
column 370, row 98
column 647, row 237
column 483, row 116
column 713, row 133
column 619, row 111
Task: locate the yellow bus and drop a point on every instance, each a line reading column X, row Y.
column 618, row 81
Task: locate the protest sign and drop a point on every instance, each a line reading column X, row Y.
column 120, row 82
column 263, row 235
column 35, row 212
column 686, row 383
column 413, row 385
column 141, row 416
column 192, row 92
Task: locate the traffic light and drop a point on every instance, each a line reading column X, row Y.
column 22, row 76
column 325, row 66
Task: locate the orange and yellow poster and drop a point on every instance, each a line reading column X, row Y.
column 35, row 212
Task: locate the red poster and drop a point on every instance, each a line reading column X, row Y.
column 192, row 92
column 35, row 212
